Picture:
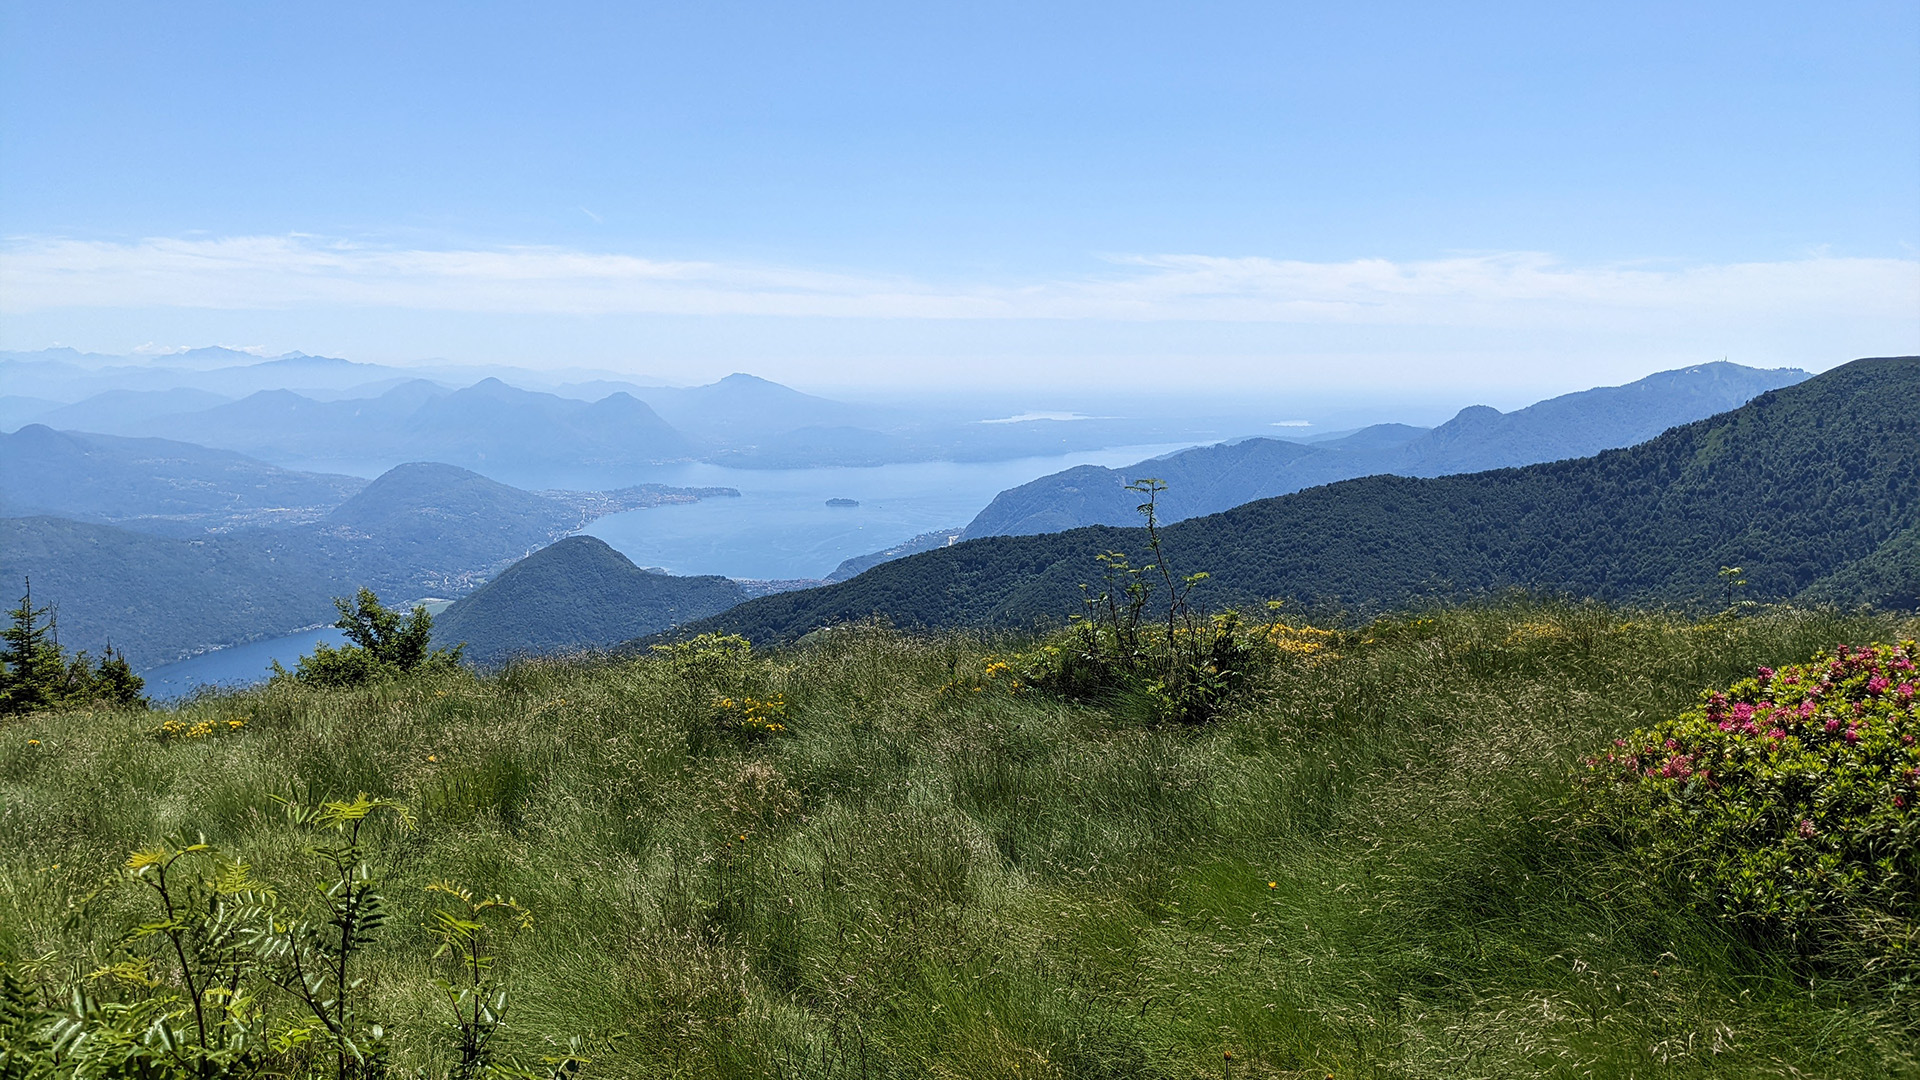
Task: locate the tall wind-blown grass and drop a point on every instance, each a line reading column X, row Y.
column 1368, row 865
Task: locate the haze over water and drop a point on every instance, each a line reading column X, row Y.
column 782, row 527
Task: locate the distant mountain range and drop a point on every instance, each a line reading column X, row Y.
column 575, row 595
column 1813, row 489
column 324, row 412
column 418, row 530
column 68, row 375
column 1209, row 479
column 156, row 485
column 488, row 425
column 493, row 426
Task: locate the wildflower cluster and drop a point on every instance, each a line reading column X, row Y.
column 1302, row 642
column 1790, row 796
column 1012, row 676
column 175, row 728
column 751, row 716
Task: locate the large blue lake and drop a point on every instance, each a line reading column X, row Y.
column 240, row 665
column 780, row 527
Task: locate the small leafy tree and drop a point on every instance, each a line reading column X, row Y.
column 382, row 644
column 316, row 958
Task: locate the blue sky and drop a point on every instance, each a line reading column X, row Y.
column 1496, row 196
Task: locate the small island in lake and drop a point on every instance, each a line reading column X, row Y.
column 843, row 502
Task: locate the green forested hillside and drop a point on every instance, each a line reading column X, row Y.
column 1812, row 488
column 1889, row 577
column 155, row 484
column 158, row 598
column 428, row 514
column 572, row 595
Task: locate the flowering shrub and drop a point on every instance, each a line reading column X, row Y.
column 751, row 716
column 1790, row 796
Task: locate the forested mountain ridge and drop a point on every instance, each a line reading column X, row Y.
column 575, row 594
column 1209, row 479
column 1813, row 489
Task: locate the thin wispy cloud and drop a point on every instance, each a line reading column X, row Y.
column 1510, row 289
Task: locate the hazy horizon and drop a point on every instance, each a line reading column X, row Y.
column 1279, row 410
column 1226, row 199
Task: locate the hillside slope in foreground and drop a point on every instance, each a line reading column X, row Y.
column 1813, row 488
column 1367, row 868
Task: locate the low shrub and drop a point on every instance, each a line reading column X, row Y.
column 1142, row 644
column 1788, row 799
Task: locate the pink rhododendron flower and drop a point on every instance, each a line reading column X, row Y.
column 1806, row 828
column 1877, row 685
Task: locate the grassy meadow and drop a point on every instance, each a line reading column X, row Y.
column 1368, row 867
